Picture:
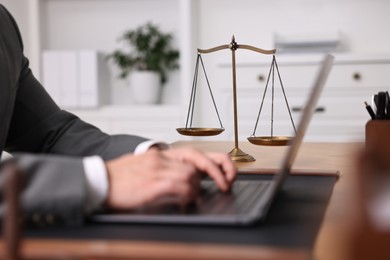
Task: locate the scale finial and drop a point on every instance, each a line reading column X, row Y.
column 233, row 45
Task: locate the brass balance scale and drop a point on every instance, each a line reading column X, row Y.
column 236, row 154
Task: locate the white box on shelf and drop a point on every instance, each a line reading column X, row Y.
column 69, row 89
column 93, row 79
column 51, row 74
column 308, row 42
column 76, row 79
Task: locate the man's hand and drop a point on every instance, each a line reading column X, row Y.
column 137, row 180
column 217, row 165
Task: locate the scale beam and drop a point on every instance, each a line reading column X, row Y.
column 252, row 48
column 237, row 46
column 218, row 48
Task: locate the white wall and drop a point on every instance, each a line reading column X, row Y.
column 97, row 24
column 18, row 8
column 92, row 24
column 363, row 23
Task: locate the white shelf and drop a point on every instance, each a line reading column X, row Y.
column 156, row 122
column 97, row 24
column 122, row 111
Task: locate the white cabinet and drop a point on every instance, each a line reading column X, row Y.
column 96, row 25
column 340, row 115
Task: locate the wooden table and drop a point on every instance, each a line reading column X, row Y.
column 331, row 243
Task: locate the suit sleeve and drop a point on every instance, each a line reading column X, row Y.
column 38, row 125
column 53, row 190
column 49, row 143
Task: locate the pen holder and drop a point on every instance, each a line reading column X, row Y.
column 378, row 141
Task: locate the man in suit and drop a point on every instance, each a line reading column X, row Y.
column 71, row 168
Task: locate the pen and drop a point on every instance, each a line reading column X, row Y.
column 381, row 106
column 387, row 105
column 375, row 101
column 370, row 111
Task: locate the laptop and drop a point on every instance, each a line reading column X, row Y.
column 248, row 201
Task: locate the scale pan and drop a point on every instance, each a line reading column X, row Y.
column 270, row 140
column 199, row 131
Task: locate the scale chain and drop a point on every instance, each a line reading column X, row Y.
column 195, row 88
column 285, row 97
column 211, row 93
column 262, row 101
column 193, row 91
column 272, row 70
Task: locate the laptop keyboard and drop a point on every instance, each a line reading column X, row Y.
column 242, row 197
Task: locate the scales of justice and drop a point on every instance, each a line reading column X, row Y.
column 236, row 154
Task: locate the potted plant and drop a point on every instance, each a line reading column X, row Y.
column 148, row 57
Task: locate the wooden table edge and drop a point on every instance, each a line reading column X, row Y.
column 104, row 249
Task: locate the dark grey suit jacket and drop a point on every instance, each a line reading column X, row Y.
column 47, row 142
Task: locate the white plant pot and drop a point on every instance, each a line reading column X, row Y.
column 145, row 87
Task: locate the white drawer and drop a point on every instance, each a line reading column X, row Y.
column 360, row 75
column 330, row 105
column 302, row 76
column 255, row 77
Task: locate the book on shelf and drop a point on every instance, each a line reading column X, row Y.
column 76, row 78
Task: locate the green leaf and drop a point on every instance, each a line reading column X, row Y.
column 150, row 50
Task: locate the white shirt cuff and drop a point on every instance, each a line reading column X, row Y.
column 97, row 182
column 5, row 156
column 144, row 146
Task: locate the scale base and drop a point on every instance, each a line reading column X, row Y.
column 237, row 155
